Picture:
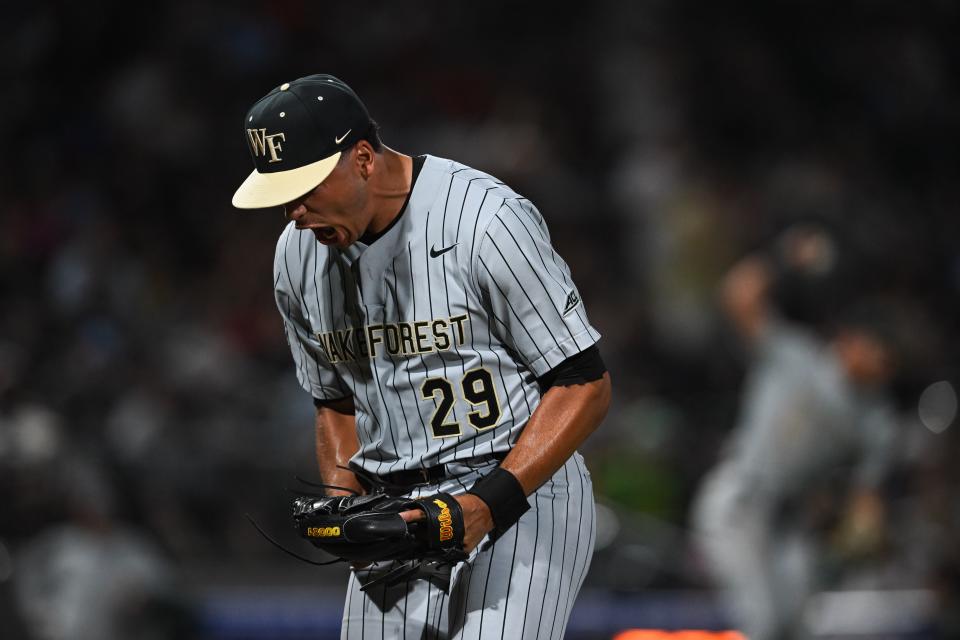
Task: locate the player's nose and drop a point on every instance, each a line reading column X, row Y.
column 294, row 211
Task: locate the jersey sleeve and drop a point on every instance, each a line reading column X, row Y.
column 535, row 307
column 314, row 371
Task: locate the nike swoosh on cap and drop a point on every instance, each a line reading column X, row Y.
column 341, row 138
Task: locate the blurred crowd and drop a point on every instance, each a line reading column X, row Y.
column 147, row 397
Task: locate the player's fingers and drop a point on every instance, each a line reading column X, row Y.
column 413, row 515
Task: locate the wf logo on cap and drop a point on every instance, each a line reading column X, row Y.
column 260, row 142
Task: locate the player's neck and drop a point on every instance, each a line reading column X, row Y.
column 389, row 187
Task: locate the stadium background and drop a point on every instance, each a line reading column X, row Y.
column 147, row 398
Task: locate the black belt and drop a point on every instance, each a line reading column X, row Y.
column 408, row 478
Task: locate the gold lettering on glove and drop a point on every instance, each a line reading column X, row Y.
column 445, row 520
column 323, row 532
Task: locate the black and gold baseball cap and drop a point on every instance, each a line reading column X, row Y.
column 296, row 134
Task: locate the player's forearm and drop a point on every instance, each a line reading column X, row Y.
column 336, row 443
column 563, row 420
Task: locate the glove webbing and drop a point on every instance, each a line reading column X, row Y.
column 294, row 554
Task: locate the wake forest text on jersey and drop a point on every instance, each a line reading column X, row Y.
column 398, row 339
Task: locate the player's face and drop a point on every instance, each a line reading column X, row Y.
column 336, row 210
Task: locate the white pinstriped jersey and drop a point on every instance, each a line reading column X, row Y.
column 440, row 327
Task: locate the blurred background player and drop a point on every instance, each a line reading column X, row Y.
column 94, row 575
column 814, row 422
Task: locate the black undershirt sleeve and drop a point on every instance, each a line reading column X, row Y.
column 581, row 368
column 334, row 403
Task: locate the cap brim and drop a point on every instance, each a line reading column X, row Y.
column 261, row 190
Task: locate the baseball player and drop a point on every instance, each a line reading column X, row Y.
column 813, row 414
column 446, row 348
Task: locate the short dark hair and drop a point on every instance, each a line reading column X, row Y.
column 372, row 135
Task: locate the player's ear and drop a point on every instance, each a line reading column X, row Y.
column 364, row 158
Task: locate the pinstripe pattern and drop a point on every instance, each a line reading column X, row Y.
column 495, row 299
column 523, row 586
column 439, row 330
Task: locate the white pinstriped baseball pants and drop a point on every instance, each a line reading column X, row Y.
column 522, row 586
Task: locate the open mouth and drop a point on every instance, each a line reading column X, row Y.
column 326, row 235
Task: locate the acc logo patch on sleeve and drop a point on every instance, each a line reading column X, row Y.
column 573, row 299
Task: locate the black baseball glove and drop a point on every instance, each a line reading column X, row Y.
column 368, row 528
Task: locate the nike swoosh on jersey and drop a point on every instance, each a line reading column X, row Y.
column 435, row 254
column 341, row 138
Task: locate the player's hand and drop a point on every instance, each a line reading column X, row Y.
column 477, row 520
